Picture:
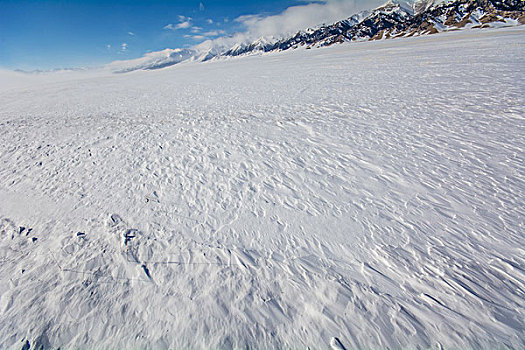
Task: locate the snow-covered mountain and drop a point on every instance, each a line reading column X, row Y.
column 153, row 60
column 393, row 19
column 307, row 37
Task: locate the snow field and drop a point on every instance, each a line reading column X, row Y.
column 370, row 192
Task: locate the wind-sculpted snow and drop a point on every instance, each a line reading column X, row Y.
column 361, row 197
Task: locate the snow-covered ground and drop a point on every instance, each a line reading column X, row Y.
column 370, row 192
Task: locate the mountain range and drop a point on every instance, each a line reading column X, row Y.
column 392, row 20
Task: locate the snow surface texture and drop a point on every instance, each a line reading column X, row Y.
column 360, row 196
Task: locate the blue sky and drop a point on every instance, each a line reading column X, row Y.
column 50, row 34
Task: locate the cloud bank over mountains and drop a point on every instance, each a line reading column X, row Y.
column 289, row 21
column 256, row 26
column 299, row 17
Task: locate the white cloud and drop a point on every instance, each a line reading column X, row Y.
column 214, row 33
column 303, row 16
column 131, row 33
column 209, row 21
column 124, row 47
column 108, row 47
column 201, row 7
column 195, row 29
column 182, row 25
column 290, row 21
column 195, row 37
